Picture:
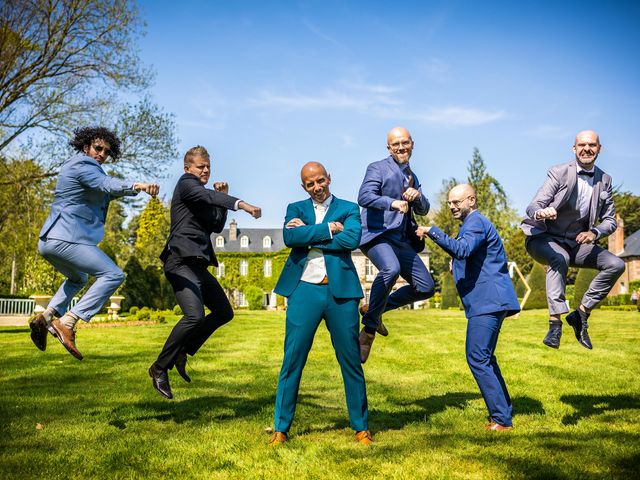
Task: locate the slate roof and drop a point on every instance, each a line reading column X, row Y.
column 256, row 237
column 631, row 246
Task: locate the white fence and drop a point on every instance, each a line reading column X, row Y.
column 16, row 306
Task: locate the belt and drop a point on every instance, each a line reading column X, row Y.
column 324, row 281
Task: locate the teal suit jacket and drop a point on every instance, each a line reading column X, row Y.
column 343, row 278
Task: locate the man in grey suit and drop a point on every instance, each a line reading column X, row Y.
column 72, row 231
column 569, row 213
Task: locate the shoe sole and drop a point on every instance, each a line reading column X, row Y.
column 36, row 333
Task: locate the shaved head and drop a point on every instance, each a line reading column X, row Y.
column 462, row 201
column 400, row 144
column 587, row 135
column 586, row 148
column 315, row 181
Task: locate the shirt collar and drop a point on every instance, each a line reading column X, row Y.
column 326, row 203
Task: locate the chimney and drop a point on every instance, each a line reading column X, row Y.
column 616, row 239
column 233, row 230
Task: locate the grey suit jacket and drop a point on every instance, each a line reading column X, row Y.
column 557, row 189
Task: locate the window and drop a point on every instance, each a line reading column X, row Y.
column 219, row 241
column 220, row 270
column 242, row 302
column 369, row 270
column 266, row 243
column 244, row 267
column 267, row 267
column 244, row 241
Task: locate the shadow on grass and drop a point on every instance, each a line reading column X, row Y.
column 589, row 405
column 21, row 330
column 191, row 410
column 527, row 406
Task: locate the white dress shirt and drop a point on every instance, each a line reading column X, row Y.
column 585, row 190
column 314, row 268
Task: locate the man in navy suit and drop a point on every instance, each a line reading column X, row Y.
column 321, row 282
column 482, row 280
column 74, row 227
column 389, row 195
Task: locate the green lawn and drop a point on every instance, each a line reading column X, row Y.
column 577, row 412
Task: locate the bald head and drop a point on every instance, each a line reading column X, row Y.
column 462, row 200
column 315, row 181
column 586, row 148
column 400, row 144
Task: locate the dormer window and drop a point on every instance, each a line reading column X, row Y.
column 244, row 241
column 219, row 241
column 266, row 242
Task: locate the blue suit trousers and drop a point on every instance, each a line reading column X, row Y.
column 77, row 261
column 482, row 338
column 394, row 257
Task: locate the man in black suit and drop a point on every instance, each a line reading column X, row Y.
column 196, row 212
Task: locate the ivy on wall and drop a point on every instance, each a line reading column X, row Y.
column 232, row 280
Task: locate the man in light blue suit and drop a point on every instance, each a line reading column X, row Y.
column 389, row 195
column 482, row 280
column 71, row 232
column 320, row 281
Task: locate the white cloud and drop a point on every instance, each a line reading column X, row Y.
column 549, row 131
column 454, row 116
column 326, row 100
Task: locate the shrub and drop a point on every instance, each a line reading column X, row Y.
column 448, row 291
column 537, row 282
column 133, row 310
column 177, row 310
column 254, row 296
column 583, row 279
column 144, row 313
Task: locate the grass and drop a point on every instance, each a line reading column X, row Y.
column 577, row 412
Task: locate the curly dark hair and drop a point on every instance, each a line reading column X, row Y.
column 84, row 137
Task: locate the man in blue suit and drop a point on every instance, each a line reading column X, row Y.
column 389, row 195
column 74, row 227
column 320, row 281
column 482, row 279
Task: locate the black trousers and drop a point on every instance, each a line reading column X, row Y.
column 194, row 287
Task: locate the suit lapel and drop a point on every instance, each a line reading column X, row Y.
column 332, row 208
column 309, row 212
column 595, row 196
column 572, row 181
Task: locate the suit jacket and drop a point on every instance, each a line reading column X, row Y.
column 555, row 192
column 196, row 212
column 81, row 200
column 479, row 267
column 342, row 275
column 383, row 184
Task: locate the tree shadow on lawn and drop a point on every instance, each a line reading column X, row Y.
column 589, row 405
column 190, row 410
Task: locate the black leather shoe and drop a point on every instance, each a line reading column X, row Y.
column 578, row 321
column 552, row 339
column 160, row 381
column 181, row 367
column 39, row 332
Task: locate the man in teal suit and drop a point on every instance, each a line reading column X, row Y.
column 320, row 281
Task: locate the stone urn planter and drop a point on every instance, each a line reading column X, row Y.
column 41, row 302
column 114, row 307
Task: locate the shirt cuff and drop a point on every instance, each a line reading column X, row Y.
column 330, row 233
column 597, row 232
column 235, row 205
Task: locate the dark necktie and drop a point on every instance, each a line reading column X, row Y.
column 408, row 175
column 588, row 174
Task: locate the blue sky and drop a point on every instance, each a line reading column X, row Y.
column 269, row 85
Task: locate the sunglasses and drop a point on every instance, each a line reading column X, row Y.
column 100, row 148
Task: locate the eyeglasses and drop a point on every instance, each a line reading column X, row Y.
column 100, row 148
column 456, row 203
column 399, row 145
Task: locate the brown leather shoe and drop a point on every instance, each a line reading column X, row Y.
column 364, row 437
column 382, row 330
column 497, row 427
column 67, row 338
column 278, row 438
column 39, row 331
column 365, row 340
column 181, row 367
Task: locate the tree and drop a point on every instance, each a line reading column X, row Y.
column 152, row 232
column 583, row 280
column 628, row 207
column 63, row 64
column 537, row 282
column 449, row 292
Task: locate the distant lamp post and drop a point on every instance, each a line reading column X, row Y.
column 513, row 267
column 114, row 307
